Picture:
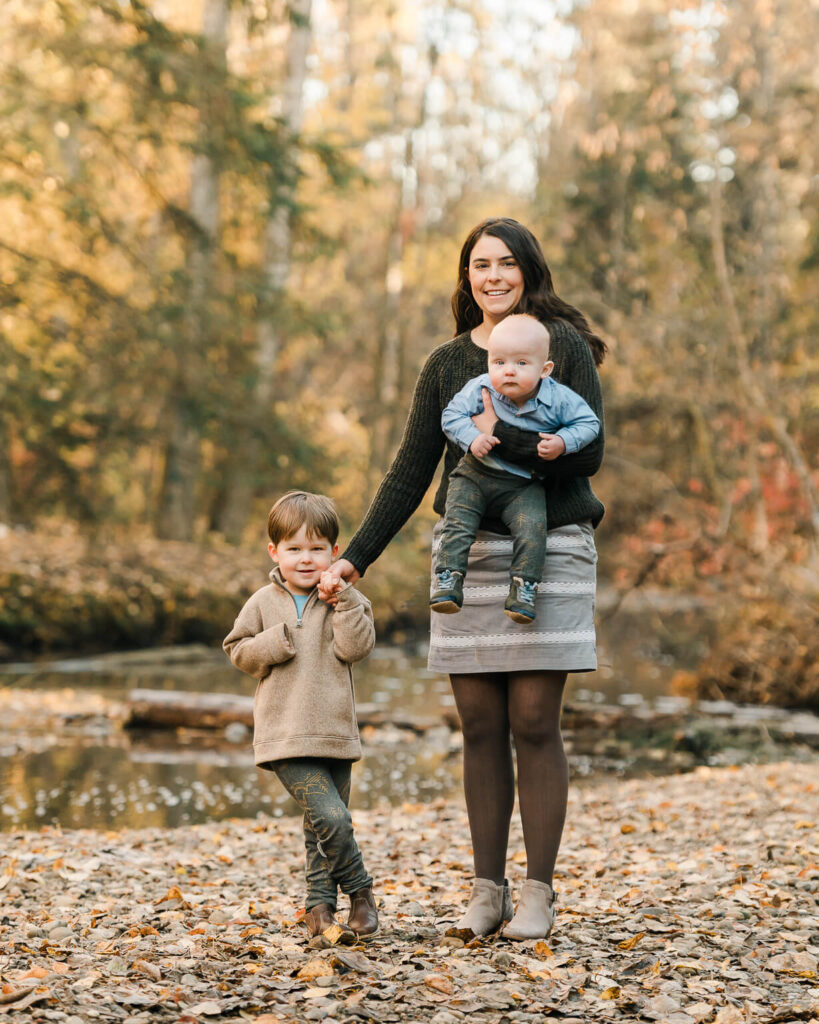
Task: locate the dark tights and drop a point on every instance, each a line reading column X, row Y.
column 526, row 705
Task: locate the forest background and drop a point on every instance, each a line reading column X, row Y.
column 228, row 238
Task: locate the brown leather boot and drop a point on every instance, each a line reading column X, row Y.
column 363, row 917
column 321, row 921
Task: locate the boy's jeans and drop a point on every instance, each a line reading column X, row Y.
column 476, row 491
column 322, row 790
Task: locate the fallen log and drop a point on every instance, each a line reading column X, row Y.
column 682, row 727
column 175, row 709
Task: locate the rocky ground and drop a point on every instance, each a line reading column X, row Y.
column 691, row 898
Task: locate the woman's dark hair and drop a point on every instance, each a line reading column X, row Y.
column 539, row 297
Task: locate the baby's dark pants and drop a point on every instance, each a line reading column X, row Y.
column 476, row 491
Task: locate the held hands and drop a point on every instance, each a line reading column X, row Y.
column 483, row 444
column 333, row 581
column 550, row 446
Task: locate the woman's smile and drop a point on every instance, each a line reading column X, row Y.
column 495, row 278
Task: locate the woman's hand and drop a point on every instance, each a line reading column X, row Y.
column 487, row 419
column 331, row 582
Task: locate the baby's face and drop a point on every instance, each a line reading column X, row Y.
column 518, row 358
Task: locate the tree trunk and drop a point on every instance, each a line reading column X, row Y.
column 750, row 390
column 5, row 475
column 177, row 506
column 240, row 484
column 763, row 402
column 390, row 356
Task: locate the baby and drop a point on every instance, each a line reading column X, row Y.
column 525, row 395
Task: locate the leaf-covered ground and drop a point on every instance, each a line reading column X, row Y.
column 683, row 899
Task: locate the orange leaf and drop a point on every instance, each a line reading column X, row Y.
column 440, row 983
column 632, row 942
column 174, row 893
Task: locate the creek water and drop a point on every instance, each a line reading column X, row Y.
column 97, row 776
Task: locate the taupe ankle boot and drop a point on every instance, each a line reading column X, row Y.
column 535, row 914
column 490, row 905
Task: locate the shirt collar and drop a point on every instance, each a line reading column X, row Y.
column 544, row 396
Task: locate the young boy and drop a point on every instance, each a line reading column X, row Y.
column 304, row 722
column 481, row 484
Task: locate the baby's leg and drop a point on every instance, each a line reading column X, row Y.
column 465, row 505
column 525, row 515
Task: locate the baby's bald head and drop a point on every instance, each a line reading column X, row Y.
column 520, row 332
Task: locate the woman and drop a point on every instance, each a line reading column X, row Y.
column 506, row 678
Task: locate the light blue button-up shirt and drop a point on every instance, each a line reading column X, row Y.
column 555, row 409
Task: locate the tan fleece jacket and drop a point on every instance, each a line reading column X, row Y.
column 305, row 703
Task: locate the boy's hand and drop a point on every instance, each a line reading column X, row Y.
column 550, row 446
column 329, row 588
column 483, row 445
column 331, row 582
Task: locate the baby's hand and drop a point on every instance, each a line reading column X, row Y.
column 550, row 446
column 329, row 588
column 483, row 445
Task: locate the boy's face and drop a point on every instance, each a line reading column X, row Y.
column 303, row 559
column 518, row 358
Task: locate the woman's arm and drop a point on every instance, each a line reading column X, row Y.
column 574, row 367
column 409, row 476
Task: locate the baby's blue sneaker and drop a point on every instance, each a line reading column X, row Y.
column 448, row 593
column 520, row 604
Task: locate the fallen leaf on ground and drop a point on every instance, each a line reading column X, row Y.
column 439, row 983
column 315, row 968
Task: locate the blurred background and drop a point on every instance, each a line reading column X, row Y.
column 228, row 238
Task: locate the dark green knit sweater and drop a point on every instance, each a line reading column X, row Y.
column 569, row 497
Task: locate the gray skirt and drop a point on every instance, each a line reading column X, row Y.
column 482, row 638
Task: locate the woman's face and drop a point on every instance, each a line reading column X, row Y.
column 495, row 278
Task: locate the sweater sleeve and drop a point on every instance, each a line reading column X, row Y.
column 410, row 474
column 252, row 648
column 353, row 628
column 574, row 367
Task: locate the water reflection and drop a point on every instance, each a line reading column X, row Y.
column 116, row 785
column 103, row 778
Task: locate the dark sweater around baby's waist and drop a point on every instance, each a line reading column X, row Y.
column 567, row 501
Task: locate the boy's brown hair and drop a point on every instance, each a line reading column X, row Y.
column 301, row 508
